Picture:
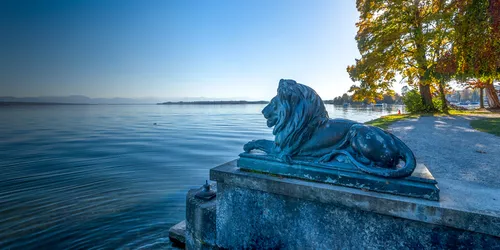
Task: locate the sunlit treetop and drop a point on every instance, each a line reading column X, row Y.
column 404, row 37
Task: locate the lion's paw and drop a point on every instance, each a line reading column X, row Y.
column 249, row 146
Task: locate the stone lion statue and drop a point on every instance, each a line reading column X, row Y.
column 302, row 128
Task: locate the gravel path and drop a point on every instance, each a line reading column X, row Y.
column 452, row 149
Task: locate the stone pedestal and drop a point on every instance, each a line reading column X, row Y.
column 421, row 184
column 258, row 211
column 200, row 222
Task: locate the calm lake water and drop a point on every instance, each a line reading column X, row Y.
column 105, row 176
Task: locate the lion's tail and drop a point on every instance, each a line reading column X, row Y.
column 405, row 153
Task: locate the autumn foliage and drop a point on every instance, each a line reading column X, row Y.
column 428, row 43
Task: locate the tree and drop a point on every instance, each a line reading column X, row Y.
column 477, row 45
column 402, row 37
column 388, row 99
column 444, row 71
column 480, row 85
column 345, row 98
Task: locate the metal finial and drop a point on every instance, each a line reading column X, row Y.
column 205, row 192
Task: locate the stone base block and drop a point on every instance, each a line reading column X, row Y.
column 259, row 211
column 177, row 233
column 421, row 184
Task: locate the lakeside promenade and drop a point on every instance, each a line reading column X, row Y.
column 452, row 149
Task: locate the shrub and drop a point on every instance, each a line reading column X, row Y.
column 438, row 104
column 413, row 103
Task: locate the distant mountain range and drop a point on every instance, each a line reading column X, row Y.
column 80, row 99
column 73, row 99
column 214, row 102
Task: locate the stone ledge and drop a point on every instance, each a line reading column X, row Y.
column 177, row 233
column 463, row 205
column 421, row 184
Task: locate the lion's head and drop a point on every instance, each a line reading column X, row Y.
column 295, row 112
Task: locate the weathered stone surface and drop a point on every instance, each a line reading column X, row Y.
column 258, row 210
column 421, row 184
column 200, row 221
column 253, row 219
column 177, row 233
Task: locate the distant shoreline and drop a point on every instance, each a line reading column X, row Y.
column 213, row 102
column 64, row 103
column 328, row 102
column 39, row 103
column 163, row 103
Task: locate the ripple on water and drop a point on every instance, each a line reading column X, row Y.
column 106, row 177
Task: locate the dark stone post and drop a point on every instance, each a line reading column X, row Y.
column 200, row 221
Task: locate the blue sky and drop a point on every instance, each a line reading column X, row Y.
column 175, row 48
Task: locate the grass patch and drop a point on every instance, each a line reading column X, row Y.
column 488, row 125
column 385, row 121
column 468, row 112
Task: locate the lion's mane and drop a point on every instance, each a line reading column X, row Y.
column 300, row 112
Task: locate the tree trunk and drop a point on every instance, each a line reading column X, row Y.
column 420, row 58
column 425, row 92
column 443, row 97
column 481, row 98
column 492, row 95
